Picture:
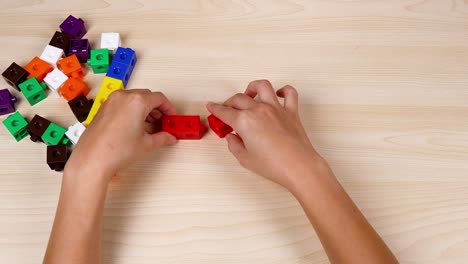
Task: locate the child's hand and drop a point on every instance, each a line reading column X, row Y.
column 270, row 139
column 123, row 131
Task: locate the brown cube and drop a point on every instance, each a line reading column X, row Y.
column 61, row 41
column 80, row 107
column 14, row 75
column 57, row 157
column 37, row 127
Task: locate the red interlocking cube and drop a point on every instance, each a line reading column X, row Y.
column 183, row 127
column 219, row 127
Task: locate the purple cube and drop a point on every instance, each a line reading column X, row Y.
column 81, row 48
column 74, row 27
column 7, row 102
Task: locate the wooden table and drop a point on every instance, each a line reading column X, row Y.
column 384, row 97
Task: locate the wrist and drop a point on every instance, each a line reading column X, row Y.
column 89, row 174
column 308, row 174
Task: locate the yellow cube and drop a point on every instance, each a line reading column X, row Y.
column 108, row 86
column 92, row 112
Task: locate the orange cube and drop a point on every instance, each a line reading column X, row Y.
column 72, row 88
column 71, row 67
column 38, row 68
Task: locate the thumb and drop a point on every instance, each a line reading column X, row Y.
column 237, row 148
column 160, row 139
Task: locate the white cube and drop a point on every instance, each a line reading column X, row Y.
column 55, row 79
column 111, row 41
column 74, row 132
column 51, row 55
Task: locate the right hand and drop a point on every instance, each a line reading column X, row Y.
column 270, row 139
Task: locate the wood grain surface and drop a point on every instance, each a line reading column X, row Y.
column 384, row 97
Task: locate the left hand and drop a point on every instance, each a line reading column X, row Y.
column 122, row 132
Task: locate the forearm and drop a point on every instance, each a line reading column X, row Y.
column 344, row 232
column 76, row 233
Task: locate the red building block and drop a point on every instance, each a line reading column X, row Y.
column 71, row 67
column 38, row 68
column 219, row 127
column 183, row 127
column 72, row 88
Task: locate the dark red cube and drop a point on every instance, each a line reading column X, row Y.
column 219, row 127
column 183, row 127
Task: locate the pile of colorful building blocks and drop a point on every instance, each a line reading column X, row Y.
column 60, row 69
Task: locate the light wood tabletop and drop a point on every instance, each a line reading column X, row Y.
column 384, row 97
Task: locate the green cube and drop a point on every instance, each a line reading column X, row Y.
column 16, row 124
column 54, row 135
column 99, row 60
column 33, row 90
column 64, row 141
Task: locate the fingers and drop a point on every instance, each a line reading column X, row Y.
column 157, row 140
column 291, row 98
column 154, row 116
column 150, row 100
column 264, row 90
column 237, row 148
column 240, row 101
column 157, row 100
column 227, row 114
